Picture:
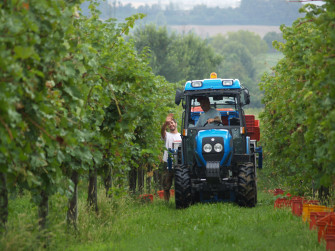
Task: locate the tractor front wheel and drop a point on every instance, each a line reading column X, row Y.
column 182, row 185
column 247, row 190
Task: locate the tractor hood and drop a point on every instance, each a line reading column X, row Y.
column 214, row 145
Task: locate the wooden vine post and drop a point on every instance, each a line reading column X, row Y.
column 43, row 209
column 3, row 202
column 140, row 178
column 72, row 212
column 107, row 180
column 92, row 198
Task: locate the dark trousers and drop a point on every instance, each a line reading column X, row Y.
column 168, row 176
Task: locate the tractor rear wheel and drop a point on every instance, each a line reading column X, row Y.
column 247, row 190
column 182, row 185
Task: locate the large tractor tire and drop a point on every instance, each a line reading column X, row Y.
column 247, row 189
column 182, row 185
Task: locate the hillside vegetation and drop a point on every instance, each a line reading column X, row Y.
column 239, row 55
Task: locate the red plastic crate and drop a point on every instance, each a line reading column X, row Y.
column 160, row 194
column 282, row 202
column 278, row 191
column 250, row 119
column 315, row 216
column 325, row 226
column 146, row 197
column 254, row 135
column 330, row 240
column 256, row 123
column 321, row 225
column 251, row 129
column 297, row 204
column 257, row 135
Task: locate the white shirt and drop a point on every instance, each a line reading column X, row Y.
column 169, row 139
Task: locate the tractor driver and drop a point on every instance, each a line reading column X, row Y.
column 210, row 114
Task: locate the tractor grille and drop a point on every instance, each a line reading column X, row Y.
column 213, row 169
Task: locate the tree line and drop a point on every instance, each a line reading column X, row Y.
column 77, row 100
column 182, row 57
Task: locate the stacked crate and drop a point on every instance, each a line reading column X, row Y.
column 253, row 130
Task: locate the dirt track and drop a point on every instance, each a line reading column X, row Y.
column 208, row 30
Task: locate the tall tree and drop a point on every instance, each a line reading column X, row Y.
column 176, row 57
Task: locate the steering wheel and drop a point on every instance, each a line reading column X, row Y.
column 218, row 122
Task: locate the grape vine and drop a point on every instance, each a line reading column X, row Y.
column 75, row 97
column 298, row 130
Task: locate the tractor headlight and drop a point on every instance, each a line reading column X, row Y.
column 196, row 83
column 207, row 148
column 226, row 82
column 218, row 147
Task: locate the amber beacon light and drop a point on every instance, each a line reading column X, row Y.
column 214, row 75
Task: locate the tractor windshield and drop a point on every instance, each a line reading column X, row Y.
column 218, row 103
column 225, row 106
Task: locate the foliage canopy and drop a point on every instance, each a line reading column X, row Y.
column 299, row 117
column 74, row 94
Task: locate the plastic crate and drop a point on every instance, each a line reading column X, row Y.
column 256, row 123
column 146, row 197
column 278, row 191
column 257, row 135
column 282, row 202
column 160, row 194
column 297, row 203
column 251, row 130
column 254, row 135
column 308, row 208
column 326, row 225
column 330, row 240
column 321, row 229
column 250, row 119
column 315, row 216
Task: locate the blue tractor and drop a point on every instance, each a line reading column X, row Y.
column 216, row 161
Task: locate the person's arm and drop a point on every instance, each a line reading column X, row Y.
column 165, row 125
column 163, row 129
column 217, row 118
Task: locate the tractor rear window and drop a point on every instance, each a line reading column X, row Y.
column 227, row 106
column 217, row 103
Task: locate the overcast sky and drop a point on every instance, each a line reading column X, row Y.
column 183, row 4
column 188, row 4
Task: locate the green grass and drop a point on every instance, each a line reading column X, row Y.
column 126, row 224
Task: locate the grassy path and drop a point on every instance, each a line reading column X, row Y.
column 129, row 225
column 209, row 227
